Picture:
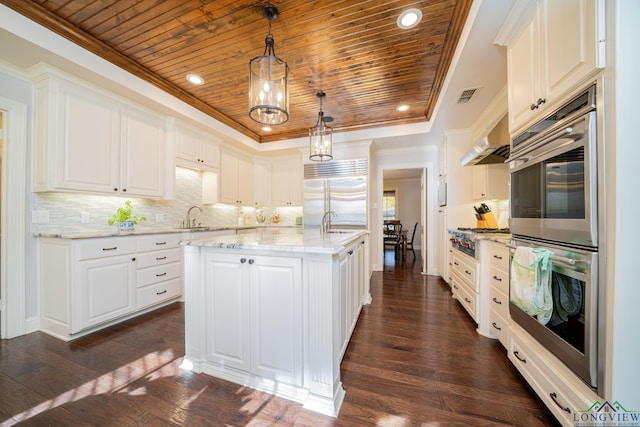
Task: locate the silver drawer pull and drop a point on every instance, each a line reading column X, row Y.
column 160, row 243
column 110, row 249
column 497, row 257
column 497, row 278
column 161, row 258
column 496, row 301
column 161, row 274
column 160, row 293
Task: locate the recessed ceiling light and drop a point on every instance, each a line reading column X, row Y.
column 266, row 128
column 195, row 79
column 409, row 18
column 403, row 107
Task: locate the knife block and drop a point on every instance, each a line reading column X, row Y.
column 488, row 221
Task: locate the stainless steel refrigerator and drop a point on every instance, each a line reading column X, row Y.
column 340, row 186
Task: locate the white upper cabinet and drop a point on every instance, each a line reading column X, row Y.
column 196, row 149
column 143, row 153
column 236, row 178
column 287, row 176
column 87, row 141
column 261, row 182
column 555, row 53
column 490, row 182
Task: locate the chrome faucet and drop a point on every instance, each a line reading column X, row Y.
column 189, row 225
column 325, row 225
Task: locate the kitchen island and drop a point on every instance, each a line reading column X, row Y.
column 274, row 310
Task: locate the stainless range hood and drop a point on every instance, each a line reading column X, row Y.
column 494, row 148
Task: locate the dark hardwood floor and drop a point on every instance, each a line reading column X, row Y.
column 415, row 359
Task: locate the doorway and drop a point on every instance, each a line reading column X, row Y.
column 403, row 197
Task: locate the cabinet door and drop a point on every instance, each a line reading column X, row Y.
column 107, row 290
column 479, row 183
column 229, row 170
column 261, row 182
column 209, row 154
column 490, row 182
column 287, row 182
column 570, row 43
column 227, row 311
column 194, row 148
column 87, row 148
column 143, row 159
column 276, row 318
column 523, row 75
column 345, row 303
column 245, row 180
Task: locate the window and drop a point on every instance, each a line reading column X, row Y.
column 389, row 210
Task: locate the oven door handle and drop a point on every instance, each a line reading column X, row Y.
column 566, row 260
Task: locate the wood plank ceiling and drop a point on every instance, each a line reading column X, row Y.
column 352, row 50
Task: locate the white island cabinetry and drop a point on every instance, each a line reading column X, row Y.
column 274, row 310
column 254, row 320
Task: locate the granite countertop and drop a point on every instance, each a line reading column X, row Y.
column 284, row 240
column 497, row 237
column 141, row 231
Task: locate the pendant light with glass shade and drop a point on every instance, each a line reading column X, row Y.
column 268, row 75
column 320, row 139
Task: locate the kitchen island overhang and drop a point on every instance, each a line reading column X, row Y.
column 274, row 310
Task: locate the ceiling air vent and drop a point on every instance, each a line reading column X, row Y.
column 465, row 95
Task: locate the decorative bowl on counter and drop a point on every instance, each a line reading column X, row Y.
column 275, row 218
column 260, row 216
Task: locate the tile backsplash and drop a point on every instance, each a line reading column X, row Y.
column 80, row 212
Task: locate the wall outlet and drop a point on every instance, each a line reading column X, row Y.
column 40, row 217
column 159, row 218
column 85, row 217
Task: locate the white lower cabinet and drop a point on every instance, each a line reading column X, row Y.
column 465, row 282
column 561, row 391
column 159, row 263
column 498, row 277
column 106, row 290
column 87, row 284
column 254, row 314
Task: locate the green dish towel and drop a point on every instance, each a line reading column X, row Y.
column 531, row 282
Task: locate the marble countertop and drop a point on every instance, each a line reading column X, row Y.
column 283, row 240
column 140, row 231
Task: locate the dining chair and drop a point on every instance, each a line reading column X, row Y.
column 393, row 236
column 410, row 242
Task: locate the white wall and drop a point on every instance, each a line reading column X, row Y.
column 621, row 192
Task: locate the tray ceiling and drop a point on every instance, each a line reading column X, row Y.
column 352, row 50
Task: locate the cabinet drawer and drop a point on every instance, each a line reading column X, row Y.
column 499, row 256
column 499, row 302
column 467, row 272
column 106, row 247
column 499, row 278
column 499, row 327
column 154, row 242
column 149, row 259
column 467, row 299
column 158, row 293
column 148, row 276
column 558, row 388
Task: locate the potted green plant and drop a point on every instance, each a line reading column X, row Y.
column 125, row 218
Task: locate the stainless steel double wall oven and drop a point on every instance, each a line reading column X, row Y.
column 554, row 184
